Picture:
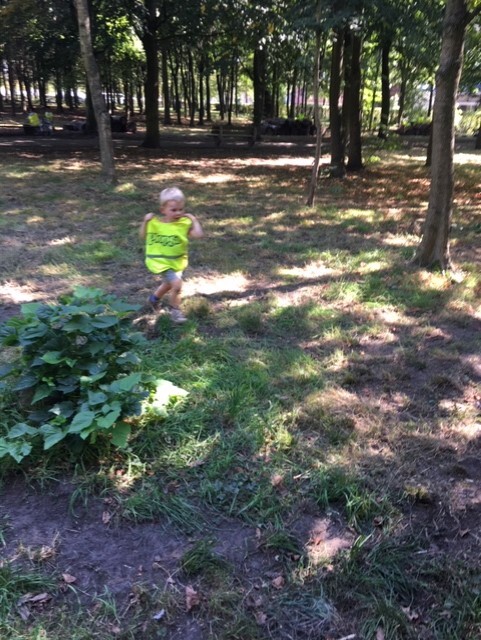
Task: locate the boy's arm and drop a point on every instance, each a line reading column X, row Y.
column 196, row 230
column 143, row 226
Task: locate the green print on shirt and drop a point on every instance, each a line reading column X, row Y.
column 165, row 241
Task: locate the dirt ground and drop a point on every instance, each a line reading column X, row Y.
column 103, row 553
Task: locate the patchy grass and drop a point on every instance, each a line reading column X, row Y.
column 318, row 481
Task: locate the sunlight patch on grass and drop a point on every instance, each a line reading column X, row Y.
column 216, row 283
column 16, row 293
column 217, row 178
column 35, row 219
column 60, row 269
column 126, row 187
column 470, row 431
column 315, row 269
column 344, row 291
column 467, row 158
column 57, row 242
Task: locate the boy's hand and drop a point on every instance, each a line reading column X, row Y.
column 149, row 216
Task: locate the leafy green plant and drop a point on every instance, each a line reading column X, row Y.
column 77, row 373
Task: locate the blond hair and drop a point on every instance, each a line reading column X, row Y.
column 171, row 193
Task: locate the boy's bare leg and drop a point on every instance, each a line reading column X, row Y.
column 175, row 295
column 162, row 289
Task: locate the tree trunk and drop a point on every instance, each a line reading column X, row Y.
column 193, row 88
column 385, row 89
column 346, row 93
column 11, row 84
column 165, row 84
column 354, row 108
column 338, row 168
column 402, row 91
column 93, row 76
column 201, row 68
column 317, row 120
column 151, row 86
column 431, row 98
column 259, row 73
column 208, row 112
column 433, row 250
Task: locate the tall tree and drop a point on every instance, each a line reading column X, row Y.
column 433, row 250
column 93, row 76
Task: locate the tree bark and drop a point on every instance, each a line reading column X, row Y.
column 338, row 167
column 93, row 76
column 259, row 75
column 385, row 89
column 354, row 108
column 151, row 90
column 317, row 119
column 165, row 84
column 433, row 250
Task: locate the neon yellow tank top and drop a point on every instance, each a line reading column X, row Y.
column 166, row 245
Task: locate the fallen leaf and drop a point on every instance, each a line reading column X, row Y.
column 192, row 598
column 159, row 615
column 69, row 579
column 279, row 582
column 411, row 615
column 380, row 634
column 277, row 479
column 39, row 598
column 260, row 617
column 106, row 517
column 24, row 613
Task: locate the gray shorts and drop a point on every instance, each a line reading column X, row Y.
column 170, row 276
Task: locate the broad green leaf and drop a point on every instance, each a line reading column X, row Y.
column 18, row 450
column 81, row 421
column 24, row 449
column 103, row 322
column 26, row 382
column 84, row 380
column 5, row 370
column 53, row 357
column 121, row 434
column 4, row 447
column 104, row 422
column 68, row 384
column 127, row 383
column 30, row 308
column 53, row 439
column 41, row 392
column 96, row 397
column 80, row 323
column 88, row 293
column 64, row 409
column 31, row 333
column 128, row 358
column 123, row 307
column 21, row 429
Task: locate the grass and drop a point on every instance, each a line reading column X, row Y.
column 331, row 388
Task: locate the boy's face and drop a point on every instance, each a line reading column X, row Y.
column 172, row 209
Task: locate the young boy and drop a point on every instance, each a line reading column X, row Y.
column 166, row 243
